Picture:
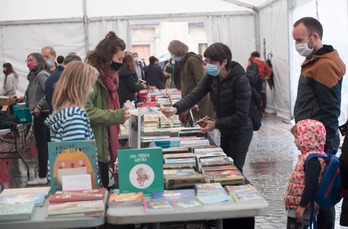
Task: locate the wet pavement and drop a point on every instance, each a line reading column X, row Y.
column 269, row 164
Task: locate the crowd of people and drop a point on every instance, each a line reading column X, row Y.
column 71, row 99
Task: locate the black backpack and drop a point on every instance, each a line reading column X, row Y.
column 252, row 73
column 255, row 112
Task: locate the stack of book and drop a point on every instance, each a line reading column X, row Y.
column 182, row 178
column 194, row 142
column 212, row 193
column 117, row 199
column 20, row 203
column 243, row 193
column 183, row 198
column 77, row 203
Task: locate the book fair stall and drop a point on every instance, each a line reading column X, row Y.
column 166, row 173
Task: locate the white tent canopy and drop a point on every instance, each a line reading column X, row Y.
column 244, row 25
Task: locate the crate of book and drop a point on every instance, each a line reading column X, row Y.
column 22, row 112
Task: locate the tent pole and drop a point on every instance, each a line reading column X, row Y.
column 85, row 25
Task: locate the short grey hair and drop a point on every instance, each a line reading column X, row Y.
column 52, row 51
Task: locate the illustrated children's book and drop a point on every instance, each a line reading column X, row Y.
column 36, row 198
column 90, row 207
column 78, row 195
column 11, row 212
column 71, row 158
column 174, row 194
column 125, row 199
column 140, row 170
column 158, row 206
column 46, row 190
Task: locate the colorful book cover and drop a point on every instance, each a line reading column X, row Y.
column 124, row 198
column 239, row 188
column 46, row 190
column 246, row 196
column 36, row 198
column 78, row 195
column 140, row 170
column 187, row 203
column 75, row 208
column 157, row 206
column 214, row 198
column 174, row 194
column 11, row 212
column 71, row 158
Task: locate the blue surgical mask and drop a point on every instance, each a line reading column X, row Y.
column 212, row 70
column 136, row 59
column 49, row 63
column 176, row 58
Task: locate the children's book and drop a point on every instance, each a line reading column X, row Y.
column 11, row 212
column 36, row 198
column 140, row 170
column 239, row 188
column 187, row 203
column 46, row 190
column 71, row 158
column 174, row 194
column 208, row 188
column 125, row 199
column 158, row 206
column 246, row 196
column 214, row 198
column 78, row 195
column 78, row 208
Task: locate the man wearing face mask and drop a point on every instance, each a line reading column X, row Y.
column 319, row 89
column 49, row 54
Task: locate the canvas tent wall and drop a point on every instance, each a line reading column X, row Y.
column 244, row 25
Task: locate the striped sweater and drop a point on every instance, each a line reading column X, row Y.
column 71, row 124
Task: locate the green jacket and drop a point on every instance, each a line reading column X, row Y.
column 101, row 117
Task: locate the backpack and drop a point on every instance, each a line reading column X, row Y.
column 329, row 191
column 255, row 112
column 252, row 73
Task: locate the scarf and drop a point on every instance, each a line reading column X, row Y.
column 111, row 83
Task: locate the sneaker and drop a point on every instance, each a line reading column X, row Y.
column 37, row 180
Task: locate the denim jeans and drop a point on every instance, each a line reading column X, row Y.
column 42, row 137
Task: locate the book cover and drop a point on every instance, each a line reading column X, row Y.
column 75, row 208
column 78, row 195
column 246, row 196
column 130, row 198
column 36, row 198
column 71, row 158
column 223, row 173
column 208, row 187
column 140, row 170
column 174, row 194
column 180, row 160
column 46, row 190
column 178, row 155
column 239, row 188
column 11, row 212
column 177, row 171
column 213, row 198
column 187, row 203
column 157, row 206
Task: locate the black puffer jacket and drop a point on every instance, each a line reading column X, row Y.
column 230, row 98
column 127, row 86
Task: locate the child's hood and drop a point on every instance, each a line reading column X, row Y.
column 312, row 135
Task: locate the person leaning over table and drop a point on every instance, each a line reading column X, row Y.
column 230, row 95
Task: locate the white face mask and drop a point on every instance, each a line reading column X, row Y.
column 303, row 48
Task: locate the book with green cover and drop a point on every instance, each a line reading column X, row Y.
column 72, row 158
column 11, row 212
column 140, row 170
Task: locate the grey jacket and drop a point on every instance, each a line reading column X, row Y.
column 35, row 96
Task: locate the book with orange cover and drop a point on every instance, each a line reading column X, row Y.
column 78, row 195
column 125, row 199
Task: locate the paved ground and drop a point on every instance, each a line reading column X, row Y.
column 269, row 163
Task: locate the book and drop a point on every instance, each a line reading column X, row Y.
column 72, row 158
column 12, row 212
column 246, row 196
column 46, row 190
column 222, row 173
column 125, row 199
column 78, row 195
column 36, row 198
column 180, row 166
column 208, row 188
column 214, row 198
column 180, row 160
column 174, row 194
column 140, row 170
column 187, row 203
column 239, row 188
column 77, row 208
column 178, row 155
column 225, row 179
column 158, row 206
column 218, row 168
column 177, row 171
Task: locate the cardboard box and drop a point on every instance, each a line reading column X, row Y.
column 6, row 102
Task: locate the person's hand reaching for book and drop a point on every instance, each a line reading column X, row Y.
column 168, row 111
column 210, row 125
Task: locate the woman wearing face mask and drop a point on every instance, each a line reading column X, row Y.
column 11, row 81
column 192, row 72
column 36, row 100
column 230, row 95
column 103, row 105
